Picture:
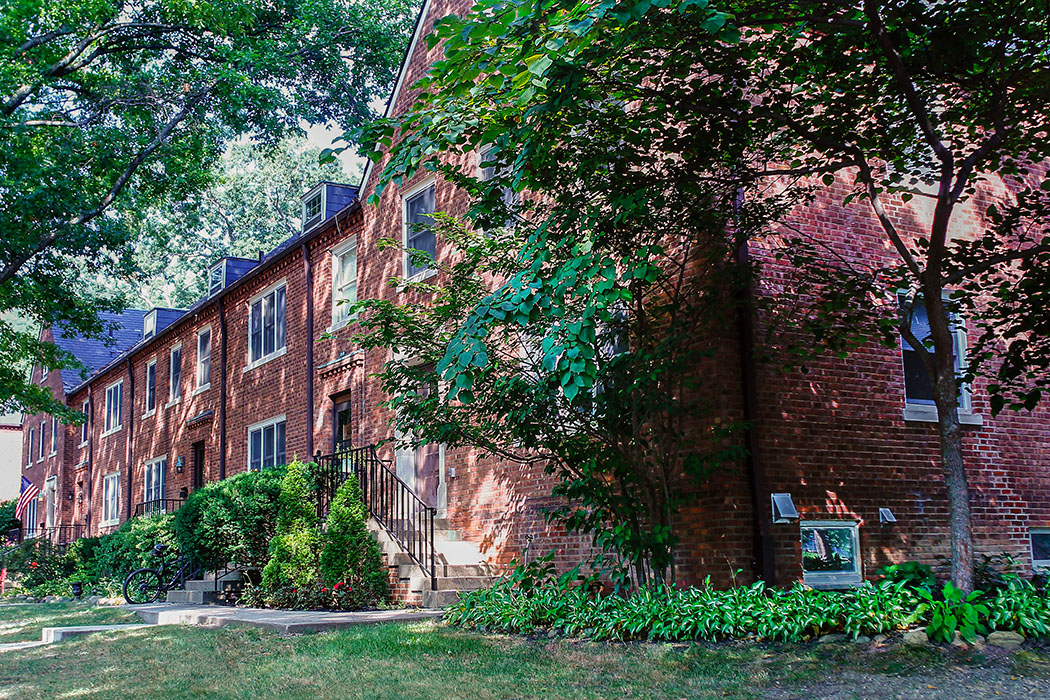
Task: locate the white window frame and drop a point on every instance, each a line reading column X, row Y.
column 44, row 373
column 405, row 196
column 85, row 428
column 262, row 425
column 340, row 317
column 1037, row 563
column 30, row 523
column 150, row 410
column 200, row 360
column 319, row 192
column 221, row 266
column 43, row 439
column 120, row 410
column 32, row 445
column 835, row 579
column 153, row 464
column 54, row 436
column 110, row 499
column 278, row 352
column 174, row 398
column 149, row 324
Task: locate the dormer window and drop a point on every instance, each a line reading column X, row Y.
column 313, row 208
column 149, row 325
column 217, row 278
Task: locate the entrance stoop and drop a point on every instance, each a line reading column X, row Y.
column 214, row 588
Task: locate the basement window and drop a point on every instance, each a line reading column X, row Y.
column 830, row 553
column 1040, row 537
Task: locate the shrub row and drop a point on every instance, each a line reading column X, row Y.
column 528, row 602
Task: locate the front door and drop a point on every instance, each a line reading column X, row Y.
column 198, row 465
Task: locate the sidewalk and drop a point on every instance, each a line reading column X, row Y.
column 283, row 621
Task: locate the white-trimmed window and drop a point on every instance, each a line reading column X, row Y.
column 114, row 407
column 216, row 278
column 344, row 281
column 43, row 441
column 203, row 359
column 151, row 387
column 830, row 553
column 86, row 425
column 149, row 324
column 43, row 373
column 266, row 444
column 486, row 172
column 30, row 522
column 313, row 206
column 1040, row 539
column 54, row 435
column 417, row 206
column 153, row 484
column 266, row 313
column 32, row 443
column 111, row 499
column 918, row 388
column 175, row 374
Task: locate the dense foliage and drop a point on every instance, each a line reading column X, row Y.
column 351, row 557
column 231, row 521
column 295, row 549
column 533, row 600
column 8, row 521
column 108, row 108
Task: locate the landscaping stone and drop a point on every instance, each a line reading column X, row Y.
column 862, row 639
column 50, row 635
column 916, row 637
column 880, row 638
column 111, row 601
column 958, row 642
column 831, row 638
column 1005, row 640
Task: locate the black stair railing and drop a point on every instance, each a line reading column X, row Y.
column 405, row 517
column 158, row 505
column 57, row 535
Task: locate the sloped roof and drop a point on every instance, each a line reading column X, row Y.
column 95, row 354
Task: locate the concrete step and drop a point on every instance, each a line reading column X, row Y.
column 463, row 583
column 439, row 599
column 235, row 575
column 212, row 585
column 193, row 597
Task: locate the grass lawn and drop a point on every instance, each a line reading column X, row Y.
column 22, row 622
column 432, row 662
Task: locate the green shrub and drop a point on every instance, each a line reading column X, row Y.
column 912, row 573
column 8, row 521
column 295, row 549
column 351, row 556
column 955, row 610
column 130, row 547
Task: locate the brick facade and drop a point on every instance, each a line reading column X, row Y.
column 834, row 438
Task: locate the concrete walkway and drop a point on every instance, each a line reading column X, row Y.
column 284, row 621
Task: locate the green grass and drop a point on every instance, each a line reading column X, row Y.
column 433, row 662
column 22, row 622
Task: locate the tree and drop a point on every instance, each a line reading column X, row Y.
column 740, row 112
column 251, row 206
column 108, row 108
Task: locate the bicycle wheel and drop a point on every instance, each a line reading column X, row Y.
column 142, row 586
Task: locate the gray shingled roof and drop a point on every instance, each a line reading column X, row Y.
column 95, row 354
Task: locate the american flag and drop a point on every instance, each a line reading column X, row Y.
column 28, row 493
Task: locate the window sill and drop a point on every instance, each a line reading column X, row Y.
column 82, row 445
column 340, row 325
column 173, row 402
column 921, row 413
column 201, row 389
column 52, row 454
column 831, row 584
column 149, row 414
column 420, row 276
column 112, row 431
column 109, row 523
column 267, row 358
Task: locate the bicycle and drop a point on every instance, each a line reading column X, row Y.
column 148, row 585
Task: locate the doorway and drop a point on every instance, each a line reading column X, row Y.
column 198, row 465
column 342, row 433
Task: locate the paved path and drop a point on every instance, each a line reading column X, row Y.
column 284, row 621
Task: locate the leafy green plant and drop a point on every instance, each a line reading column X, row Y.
column 351, row 557
column 997, row 571
column 912, row 574
column 295, row 549
column 955, row 610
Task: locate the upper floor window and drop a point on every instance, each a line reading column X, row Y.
column 418, row 207
column 344, row 281
column 32, row 443
column 111, row 499
column 487, row 171
column 204, row 358
column 43, row 373
column 153, row 489
column 54, row 435
column 266, row 444
column 266, row 324
column 43, row 440
column 149, row 324
column 217, row 278
column 114, row 407
column 175, row 374
column 86, row 426
column 313, row 208
column 151, row 387
column 918, row 387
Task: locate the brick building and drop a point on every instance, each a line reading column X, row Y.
column 244, row 380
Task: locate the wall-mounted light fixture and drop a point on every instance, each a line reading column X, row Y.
column 784, row 510
column 886, row 516
column 178, row 465
column 80, row 497
column 184, row 492
column 69, row 496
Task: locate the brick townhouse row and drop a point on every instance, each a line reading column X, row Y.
column 244, row 379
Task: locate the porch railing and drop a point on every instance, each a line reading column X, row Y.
column 405, row 517
column 158, row 506
column 57, row 535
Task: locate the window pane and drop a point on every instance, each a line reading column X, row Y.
column 151, row 386
column 255, row 450
column 918, row 388
column 204, row 358
column 828, row 550
column 279, row 303
column 268, row 324
column 1041, row 546
column 176, row 373
column 268, row 446
column 256, row 330
column 418, row 210
column 280, row 459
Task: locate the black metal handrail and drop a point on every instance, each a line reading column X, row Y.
column 56, row 535
column 405, row 517
column 159, row 505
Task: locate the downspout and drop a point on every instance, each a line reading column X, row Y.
column 222, row 390
column 90, row 456
column 763, row 541
column 308, row 273
column 131, row 431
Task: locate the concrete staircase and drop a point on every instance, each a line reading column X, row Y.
column 205, row 591
column 459, row 566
